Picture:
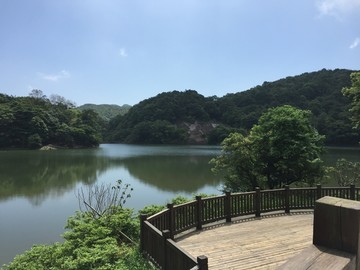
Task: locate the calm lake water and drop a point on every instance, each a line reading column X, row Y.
column 37, row 188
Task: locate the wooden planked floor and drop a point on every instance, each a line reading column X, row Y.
column 252, row 243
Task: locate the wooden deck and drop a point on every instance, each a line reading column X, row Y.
column 252, row 243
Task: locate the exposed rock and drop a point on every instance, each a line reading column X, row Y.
column 48, row 147
column 198, row 131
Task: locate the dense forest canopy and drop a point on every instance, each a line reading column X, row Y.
column 34, row 121
column 166, row 118
column 177, row 117
column 106, row 111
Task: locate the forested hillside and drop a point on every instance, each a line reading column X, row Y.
column 162, row 119
column 34, row 121
column 106, row 111
column 177, row 117
column 171, row 117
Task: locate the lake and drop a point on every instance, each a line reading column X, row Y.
column 38, row 188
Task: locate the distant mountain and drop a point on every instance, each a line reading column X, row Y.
column 106, row 111
column 188, row 117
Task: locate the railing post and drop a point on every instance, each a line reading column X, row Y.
column 352, row 192
column 257, row 202
column 318, row 191
column 202, row 262
column 287, row 199
column 166, row 236
column 198, row 212
column 143, row 217
column 227, row 206
column 170, row 206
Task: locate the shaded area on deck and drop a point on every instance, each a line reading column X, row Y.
column 254, row 243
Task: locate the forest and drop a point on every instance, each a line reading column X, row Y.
column 165, row 118
column 177, row 117
column 35, row 121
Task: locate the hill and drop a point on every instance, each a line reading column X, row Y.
column 188, row 117
column 32, row 122
column 106, row 111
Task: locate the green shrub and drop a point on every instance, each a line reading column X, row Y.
column 99, row 244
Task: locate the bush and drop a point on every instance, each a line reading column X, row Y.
column 89, row 244
column 34, row 141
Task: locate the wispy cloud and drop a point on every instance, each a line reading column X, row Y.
column 355, row 43
column 63, row 74
column 337, row 8
column 122, row 52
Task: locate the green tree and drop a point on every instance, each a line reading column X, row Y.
column 283, row 148
column 353, row 93
column 237, row 163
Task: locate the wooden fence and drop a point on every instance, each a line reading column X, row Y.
column 159, row 230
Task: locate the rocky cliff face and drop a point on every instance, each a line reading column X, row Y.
column 197, row 131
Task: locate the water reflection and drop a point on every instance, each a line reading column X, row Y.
column 39, row 174
column 174, row 173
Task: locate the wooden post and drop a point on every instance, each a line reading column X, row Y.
column 352, row 192
column 257, row 202
column 227, row 206
column 170, row 206
column 318, row 191
column 166, row 236
column 202, row 262
column 287, row 199
column 143, row 217
column 337, row 226
column 198, row 213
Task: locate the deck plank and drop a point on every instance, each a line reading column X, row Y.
column 262, row 243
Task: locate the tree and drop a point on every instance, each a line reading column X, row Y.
column 283, row 148
column 346, row 172
column 353, row 93
column 60, row 100
column 237, row 163
column 37, row 93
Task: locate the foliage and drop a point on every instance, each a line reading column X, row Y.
column 319, row 92
column 346, row 172
column 101, row 199
column 150, row 210
column 106, row 111
column 353, row 93
column 94, row 243
column 34, row 121
column 157, row 132
column 219, row 133
column 283, row 148
column 156, row 120
column 89, row 244
column 238, row 164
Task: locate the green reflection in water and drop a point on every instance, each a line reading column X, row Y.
column 173, row 173
column 38, row 174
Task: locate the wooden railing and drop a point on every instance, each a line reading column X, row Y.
column 159, row 230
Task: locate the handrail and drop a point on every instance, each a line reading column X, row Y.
column 195, row 214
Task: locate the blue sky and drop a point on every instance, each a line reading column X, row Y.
column 124, row 51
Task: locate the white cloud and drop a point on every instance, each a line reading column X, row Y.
column 122, row 52
column 338, row 8
column 63, row 74
column 355, row 43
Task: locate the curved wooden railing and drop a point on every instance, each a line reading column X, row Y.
column 159, row 230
